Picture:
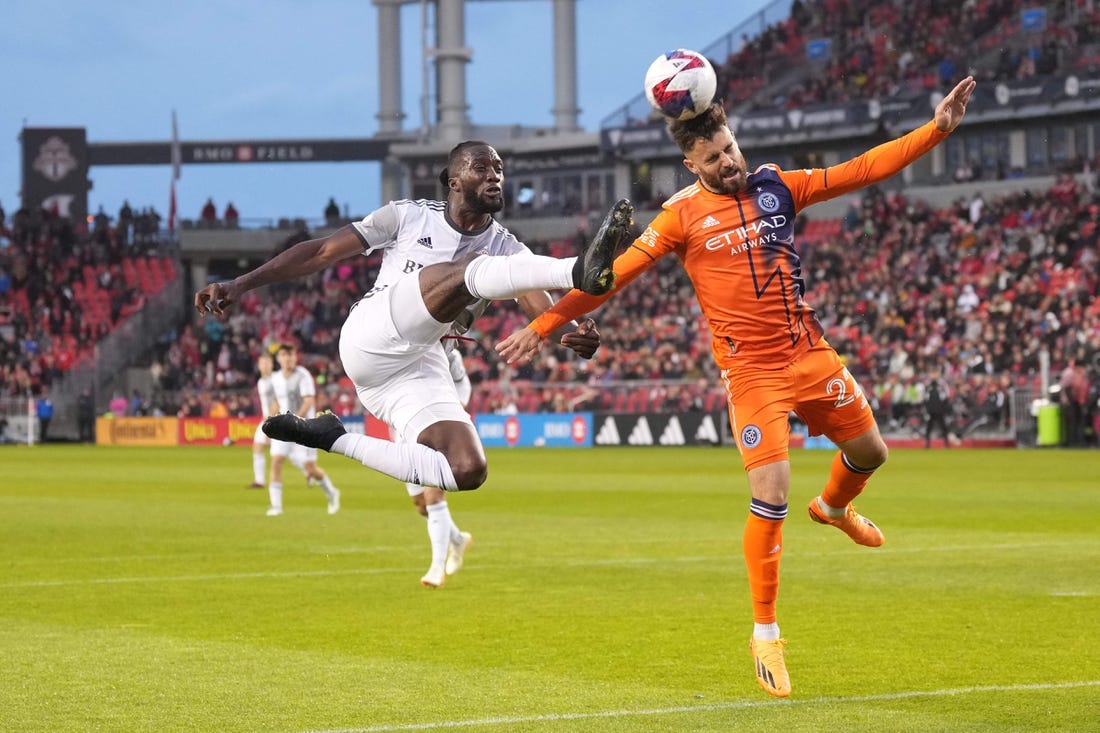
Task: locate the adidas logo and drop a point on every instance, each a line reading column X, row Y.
column 608, row 433
column 709, row 222
column 673, row 434
column 641, row 434
column 425, row 242
column 707, row 433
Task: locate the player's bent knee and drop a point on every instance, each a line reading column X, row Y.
column 871, row 457
column 469, row 473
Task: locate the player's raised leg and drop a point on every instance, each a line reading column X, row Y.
column 852, row 468
column 407, row 462
column 495, row 278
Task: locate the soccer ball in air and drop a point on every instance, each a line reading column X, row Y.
column 680, row 84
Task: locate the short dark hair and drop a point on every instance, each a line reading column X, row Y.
column 700, row 127
column 453, row 157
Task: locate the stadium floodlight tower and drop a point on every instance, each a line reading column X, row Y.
column 450, row 123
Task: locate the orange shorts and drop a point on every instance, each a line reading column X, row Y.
column 817, row 386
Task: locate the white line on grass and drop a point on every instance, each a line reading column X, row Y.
column 609, row 562
column 201, row 578
column 557, row 717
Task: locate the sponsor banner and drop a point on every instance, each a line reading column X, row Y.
column 669, row 429
column 239, row 151
column 241, row 430
column 552, row 429
column 217, row 430
column 137, row 431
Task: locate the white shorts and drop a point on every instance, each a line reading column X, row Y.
column 299, row 455
column 390, row 349
column 260, row 436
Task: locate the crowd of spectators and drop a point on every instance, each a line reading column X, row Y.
column 881, row 48
column 63, row 287
column 975, row 291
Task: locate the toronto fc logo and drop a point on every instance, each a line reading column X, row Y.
column 54, row 161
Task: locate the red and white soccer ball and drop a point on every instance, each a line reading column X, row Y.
column 680, row 84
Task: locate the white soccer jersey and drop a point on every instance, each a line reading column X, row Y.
column 414, row 234
column 291, row 391
column 263, row 386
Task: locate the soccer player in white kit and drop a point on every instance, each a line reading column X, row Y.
column 264, row 364
column 295, row 392
column 442, row 261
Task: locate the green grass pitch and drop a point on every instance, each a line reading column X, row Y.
column 144, row 590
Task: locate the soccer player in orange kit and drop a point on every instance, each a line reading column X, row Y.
column 733, row 232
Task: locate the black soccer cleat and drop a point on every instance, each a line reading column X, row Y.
column 316, row 432
column 593, row 273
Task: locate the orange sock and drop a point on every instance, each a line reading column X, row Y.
column 846, row 482
column 763, row 546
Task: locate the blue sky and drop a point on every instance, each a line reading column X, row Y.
column 288, row 69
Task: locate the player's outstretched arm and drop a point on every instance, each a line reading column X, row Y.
column 952, row 108
column 302, row 259
column 520, row 347
column 582, row 338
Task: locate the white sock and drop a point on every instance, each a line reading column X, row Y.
column 408, row 462
column 766, row 632
column 439, row 531
column 275, row 491
column 327, row 486
column 456, row 534
column 259, row 467
column 507, row 277
column 831, row 511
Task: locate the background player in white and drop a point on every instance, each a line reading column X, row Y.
column 265, row 364
column 448, row 542
column 295, row 391
column 260, row 441
column 442, row 260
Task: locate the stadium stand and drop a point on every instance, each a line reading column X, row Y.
column 980, row 288
column 880, row 48
column 977, row 289
column 64, row 289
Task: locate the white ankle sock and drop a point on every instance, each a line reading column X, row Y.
column 275, row 493
column 439, row 531
column 831, row 511
column 506, row 277
column 766, row 632
column 408, row 462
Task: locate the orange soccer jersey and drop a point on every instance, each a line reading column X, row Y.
column 738, row 250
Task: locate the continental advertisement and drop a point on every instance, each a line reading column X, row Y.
column 204, row 430
column 137, row 430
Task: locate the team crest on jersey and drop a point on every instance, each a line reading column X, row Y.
column 750, row 436
column 768, row 202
